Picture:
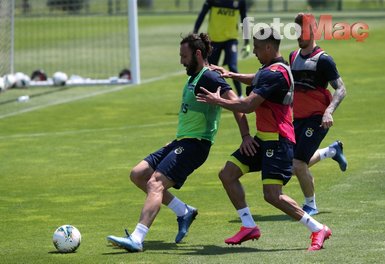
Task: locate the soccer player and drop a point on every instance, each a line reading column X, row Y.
column 172, row 164
column 314, row 106
column 272, row 154
column 224, row 18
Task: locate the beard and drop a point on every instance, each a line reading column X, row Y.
column 192, row 67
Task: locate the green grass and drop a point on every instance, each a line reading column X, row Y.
column 68, row 163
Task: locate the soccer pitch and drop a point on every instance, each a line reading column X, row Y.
column 65, row 156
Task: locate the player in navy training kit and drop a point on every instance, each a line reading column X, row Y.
column 313, row 106
column 272, row 153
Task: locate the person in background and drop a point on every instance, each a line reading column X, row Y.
column 223, row 29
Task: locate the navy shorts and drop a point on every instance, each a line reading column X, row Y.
column 308, row 137
column 273, row 158
column 179, row 159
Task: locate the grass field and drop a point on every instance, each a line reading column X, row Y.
column 65, row 156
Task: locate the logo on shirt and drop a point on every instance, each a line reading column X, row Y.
column 191, row 87
column 179, row 150
column 309, row 132
column 269, row 153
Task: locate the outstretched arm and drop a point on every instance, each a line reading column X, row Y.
column 245, row 78
column 249, row 144
column 338, row 95
column 242, row 105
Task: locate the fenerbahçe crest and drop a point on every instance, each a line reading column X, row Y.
column 269, row 153
column 309, row 132
column 179, row 150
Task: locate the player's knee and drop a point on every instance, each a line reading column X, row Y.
column 135, row 175
column 229, row 173
column 299, row 167
column 271, row 197
column 223, row 175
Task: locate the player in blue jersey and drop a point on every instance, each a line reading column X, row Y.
column 223, row 25
column 172, row 164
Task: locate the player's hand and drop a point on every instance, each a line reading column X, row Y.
column 224, row 73
column 248, row 146
column 245, row 52
column 327, row 120
column 207, row 97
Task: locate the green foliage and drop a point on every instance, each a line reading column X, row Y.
column 66, row 155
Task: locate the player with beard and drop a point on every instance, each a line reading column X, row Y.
column 314, row 106
column 172, row 164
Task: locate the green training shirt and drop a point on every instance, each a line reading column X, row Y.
column 196, row 119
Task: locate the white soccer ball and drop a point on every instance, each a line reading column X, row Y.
column 2, row 88
column 66, row 238
column 21, row 80
column 9, row 81
column 59, row 78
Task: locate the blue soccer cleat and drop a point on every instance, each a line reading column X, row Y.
column 309, row 210
column 339, row 156
column 126, row 243
column 184, row 223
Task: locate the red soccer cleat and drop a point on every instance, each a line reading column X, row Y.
column 318, row 238
column 246, row 233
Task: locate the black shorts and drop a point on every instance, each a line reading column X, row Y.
column 308, row 135
column 273, row 158
column 179, row 159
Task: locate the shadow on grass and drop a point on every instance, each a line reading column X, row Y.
column 206, row 250
column 61, row 253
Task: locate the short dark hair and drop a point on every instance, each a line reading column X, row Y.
column 200, row 42
column 299, row 18
column 272, row 37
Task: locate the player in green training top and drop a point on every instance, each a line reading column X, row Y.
column 225, row 16
column 172, row 164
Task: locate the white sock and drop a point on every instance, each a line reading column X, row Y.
column 246, row 217
column 310, row 201
column 326, row 153
column 139, row 233
column 311, row 223
column 178, row 207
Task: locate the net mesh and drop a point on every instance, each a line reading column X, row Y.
column 5, row 36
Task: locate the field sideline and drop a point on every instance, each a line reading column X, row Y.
column 68, row 163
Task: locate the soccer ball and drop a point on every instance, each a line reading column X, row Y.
column 21, row 80
column 2, row 88
column 66, row 238
column 9, row 81
column 59, row 78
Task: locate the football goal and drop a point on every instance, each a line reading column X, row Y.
column 92, row 42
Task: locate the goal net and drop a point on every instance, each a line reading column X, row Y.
column 6, row 10
column 87, row 40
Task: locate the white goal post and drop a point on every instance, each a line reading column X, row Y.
column 92, row 41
